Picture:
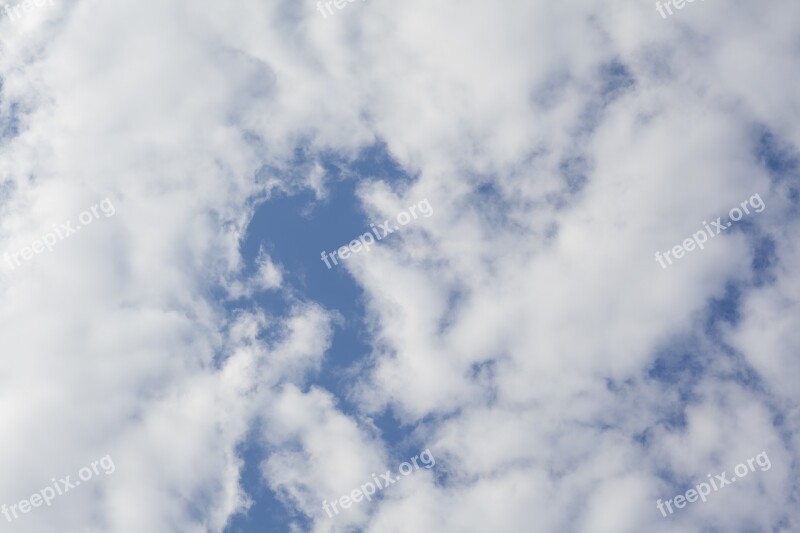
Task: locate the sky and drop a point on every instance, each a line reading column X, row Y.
column 383, row 267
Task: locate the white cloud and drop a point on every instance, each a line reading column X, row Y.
column 518, row 329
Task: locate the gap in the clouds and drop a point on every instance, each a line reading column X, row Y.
column 724, row 309
column 491, row 205
column 765, row 259
column 613, row 80
column 781, row 161
column 680, row 367
column 683, row 364
column 686, row 361
column 293, row 229
column 9, row 125
column 575, row 172
column 616, row 78
column 778, row 157
column 267, row 514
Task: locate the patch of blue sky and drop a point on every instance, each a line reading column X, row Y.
column 294, row 228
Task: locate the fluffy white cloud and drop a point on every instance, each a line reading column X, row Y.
column 515, row 331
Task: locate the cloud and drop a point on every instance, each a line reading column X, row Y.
column 524, row 332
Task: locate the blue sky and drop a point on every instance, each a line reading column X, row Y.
column 294, row 229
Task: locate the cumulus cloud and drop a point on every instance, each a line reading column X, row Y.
column 524, row 332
